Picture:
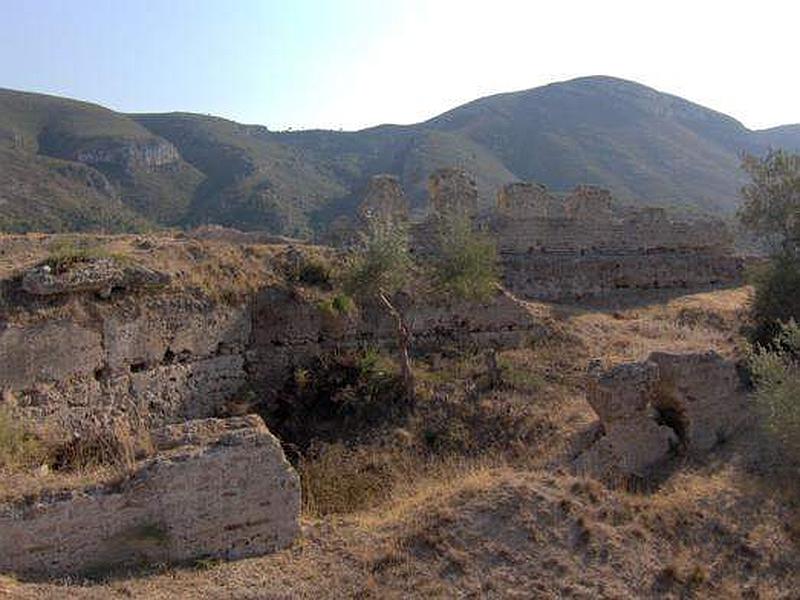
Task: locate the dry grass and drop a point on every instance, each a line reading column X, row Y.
column 49, row 460
column 496, row 513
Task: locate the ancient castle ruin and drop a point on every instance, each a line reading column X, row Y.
column 104, row 340
column 581, row 245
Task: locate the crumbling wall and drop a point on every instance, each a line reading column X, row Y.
column 668, row 405
column 554, row 249
column 167, row 355
column 161, row 357
column 453, row 190
column 217, row 489
column 384, row 199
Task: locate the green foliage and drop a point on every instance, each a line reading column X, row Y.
column 777, row 297
column 776, row 374
column 340, row 305
column 339, row 397
column 380, row 263
column 467, row 264
column 310, row 270
column 771, row 206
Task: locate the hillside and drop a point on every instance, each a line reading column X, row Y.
column 68, row 165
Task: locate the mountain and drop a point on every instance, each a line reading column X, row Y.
column 69, row 165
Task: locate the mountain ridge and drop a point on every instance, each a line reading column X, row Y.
column 129, row 171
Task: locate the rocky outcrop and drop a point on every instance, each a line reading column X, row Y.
column 668, row 405
column 216, row 489
column 148, row 154
column 100, row 275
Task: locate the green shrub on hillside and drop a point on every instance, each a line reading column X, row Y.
column 467, row 264
column 381, row 263
column 777, row 297
column 776, row 374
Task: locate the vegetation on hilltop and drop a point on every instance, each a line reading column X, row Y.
column 642, row 144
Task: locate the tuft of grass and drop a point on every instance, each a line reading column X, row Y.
column 337, row 478
column 67, row 253
column 19, row 448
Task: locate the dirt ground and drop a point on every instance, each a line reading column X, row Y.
column 522, row 525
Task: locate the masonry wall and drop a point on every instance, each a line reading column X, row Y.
column 218, row 489
column 164, row 356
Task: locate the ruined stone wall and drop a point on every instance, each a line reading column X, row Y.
column 555, row 249
column 384, row 198
column 217, row 489
column 162, row 358
column 667, row 406
column 165, row 355
column 453, row 190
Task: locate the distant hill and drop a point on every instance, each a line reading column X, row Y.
column 69, row 165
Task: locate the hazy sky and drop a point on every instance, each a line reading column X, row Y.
column 355, row 63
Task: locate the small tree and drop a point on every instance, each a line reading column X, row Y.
column 771, row 210
column 771, row 207
column 467, row 265
column 376, row 269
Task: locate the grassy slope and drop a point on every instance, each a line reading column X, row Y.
column 35, row 126
column 644, row 145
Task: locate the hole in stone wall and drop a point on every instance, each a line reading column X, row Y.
column 169, row 357
column 138, row 367
column 102, row 373
column 675, row 419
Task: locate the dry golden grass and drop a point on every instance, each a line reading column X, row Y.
column 499, row 514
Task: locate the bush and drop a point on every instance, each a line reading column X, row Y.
column 467, row 264
column 339, row 397
column 380, row 263
column 777, row 298
column 340, row 305
column 776, row 373
column 309, row 270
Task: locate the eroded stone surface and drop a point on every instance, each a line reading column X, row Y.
column 384, row 199
column 101, row 275
column 667, row 405
column 218, row 489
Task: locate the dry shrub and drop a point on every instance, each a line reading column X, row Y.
column 337, row 478
column 19, row 447
column 117, row 443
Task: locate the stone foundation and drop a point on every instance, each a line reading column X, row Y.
column 219, row 488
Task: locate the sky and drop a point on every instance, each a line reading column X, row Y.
column 351, row 64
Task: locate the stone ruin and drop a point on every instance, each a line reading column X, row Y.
column 453, row 190
column 219, row 488
column 668, row 405
column 159, row 355
column 576, row 247
column 579, row 246
column 384, row 199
